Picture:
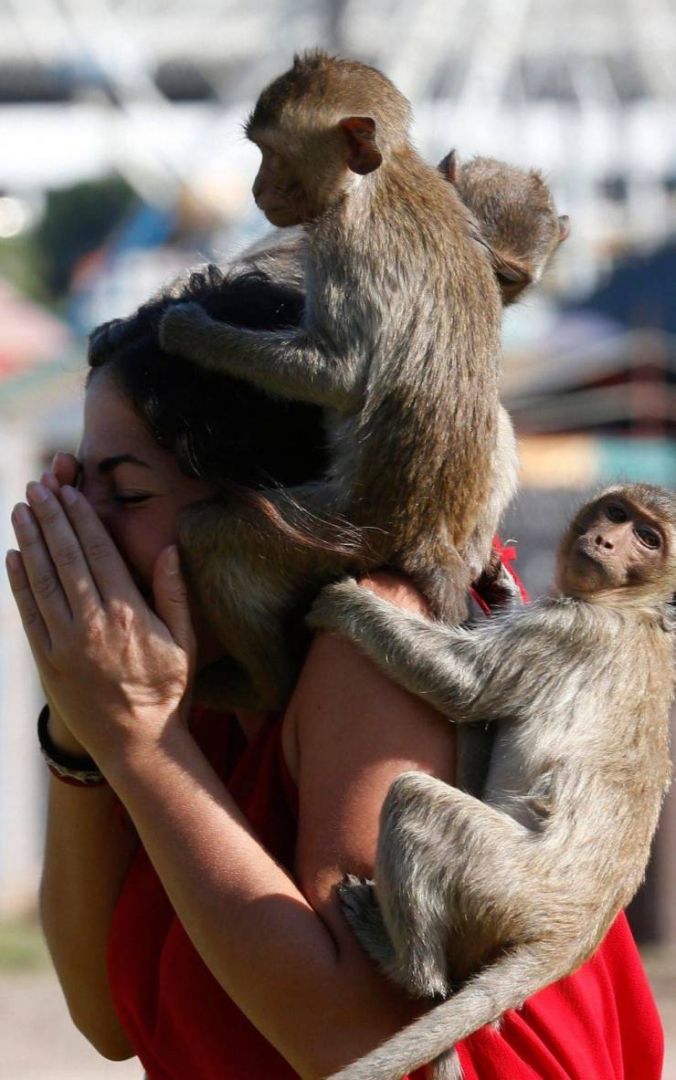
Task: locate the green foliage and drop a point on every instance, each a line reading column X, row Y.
column 22, row 263
column 77, row 220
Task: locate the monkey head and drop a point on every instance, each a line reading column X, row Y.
column 623, row 544
column 320, row 127
column 516, row 214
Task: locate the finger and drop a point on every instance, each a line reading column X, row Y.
column 65, row 467
column 64, row 549
column 40, row 570
column 49, row 480
column 107, row 567
column 33, row 623
column 171, row 599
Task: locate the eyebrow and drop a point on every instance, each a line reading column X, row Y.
column 106, row 465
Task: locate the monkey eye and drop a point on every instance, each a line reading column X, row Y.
column 650, row 537
column 616, row 512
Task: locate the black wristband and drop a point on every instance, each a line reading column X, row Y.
column 71, row 768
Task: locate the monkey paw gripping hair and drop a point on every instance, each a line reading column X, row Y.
column 493, row 891
column 400, row 344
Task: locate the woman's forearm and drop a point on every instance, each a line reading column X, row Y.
column 318, row 1001
column 88, row 850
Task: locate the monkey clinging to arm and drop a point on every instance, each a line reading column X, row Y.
column 492, row 900
column 400, row 344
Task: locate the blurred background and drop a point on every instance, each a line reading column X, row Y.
column 122, row 162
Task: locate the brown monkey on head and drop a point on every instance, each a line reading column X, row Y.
column 517, row 212
column 400, row 343
column 492, row 900
column 517, row 216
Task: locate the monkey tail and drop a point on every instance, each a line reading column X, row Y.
column 503, row 985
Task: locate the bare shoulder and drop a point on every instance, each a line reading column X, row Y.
column 349, row 733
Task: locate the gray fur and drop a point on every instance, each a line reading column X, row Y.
column 491, row 900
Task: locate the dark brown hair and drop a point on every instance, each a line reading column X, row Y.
column 220, row 429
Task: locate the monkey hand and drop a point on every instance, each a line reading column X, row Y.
column 184, row 328
column 334, row 606
column 349, row 607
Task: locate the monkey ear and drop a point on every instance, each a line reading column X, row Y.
column 448, row 167
column 513, row 276
column 564, row 227
column 363, row 153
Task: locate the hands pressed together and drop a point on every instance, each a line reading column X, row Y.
column 115, row 672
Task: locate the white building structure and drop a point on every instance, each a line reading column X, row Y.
column 584, row 89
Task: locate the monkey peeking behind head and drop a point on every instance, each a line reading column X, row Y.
column 517, row 217
column 400, row 344
column 491, row 894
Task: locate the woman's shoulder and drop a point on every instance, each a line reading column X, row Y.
column 345, row 714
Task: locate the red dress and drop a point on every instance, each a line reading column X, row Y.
column 598, row 1024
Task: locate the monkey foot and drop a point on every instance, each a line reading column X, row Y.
column 180, row 328
column 362, row 911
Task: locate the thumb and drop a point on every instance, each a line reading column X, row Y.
column 171, row 598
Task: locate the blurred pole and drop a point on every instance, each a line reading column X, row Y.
column 335, row 26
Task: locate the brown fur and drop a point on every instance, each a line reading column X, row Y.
column 400, row 344
column 517, row 214
column 489, row 901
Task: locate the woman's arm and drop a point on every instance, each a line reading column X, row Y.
column 278, row 946
column 87, row 853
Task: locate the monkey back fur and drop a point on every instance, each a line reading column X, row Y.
column 400, row 344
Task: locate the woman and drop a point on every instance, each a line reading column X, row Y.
column 189, row 900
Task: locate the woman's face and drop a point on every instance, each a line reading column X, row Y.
column 135, row 486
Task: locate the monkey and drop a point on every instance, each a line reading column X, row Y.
column 517, row 216
column 491, row 896
column 516, row 211
column 400, row 344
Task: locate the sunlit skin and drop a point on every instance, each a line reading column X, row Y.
column 137, row 491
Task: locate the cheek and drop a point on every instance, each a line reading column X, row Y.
column 140, row 538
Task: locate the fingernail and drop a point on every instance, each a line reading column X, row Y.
column 21, row 514
column 68, row 494
column 173, row 562
column 37, row 492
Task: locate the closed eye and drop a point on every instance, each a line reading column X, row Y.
column 131, row 500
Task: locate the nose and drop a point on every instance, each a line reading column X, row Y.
column 603, row 541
